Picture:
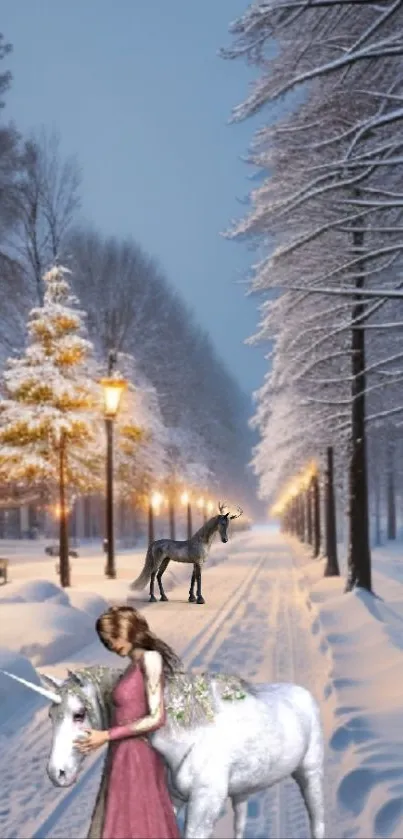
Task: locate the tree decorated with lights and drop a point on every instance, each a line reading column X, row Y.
column 49, row 420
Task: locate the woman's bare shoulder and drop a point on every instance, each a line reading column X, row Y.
column 152, row 662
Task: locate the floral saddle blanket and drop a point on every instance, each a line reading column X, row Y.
column 193, row 698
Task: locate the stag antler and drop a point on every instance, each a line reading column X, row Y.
column 238, row 514
column 221, row 507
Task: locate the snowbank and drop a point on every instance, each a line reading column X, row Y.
column 33, row 591
column 46, row 624
column 14, row 698
column 365, row 639
column 45, row 632
column 88, row 602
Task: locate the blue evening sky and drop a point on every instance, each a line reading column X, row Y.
column 137, row 91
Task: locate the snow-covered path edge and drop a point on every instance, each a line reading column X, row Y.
column 363, row 638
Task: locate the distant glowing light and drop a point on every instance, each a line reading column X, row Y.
column 156, row 500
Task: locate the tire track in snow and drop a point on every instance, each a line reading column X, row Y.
column 290, row 663
column 280, row 651
column 21, row 759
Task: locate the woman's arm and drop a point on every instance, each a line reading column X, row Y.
column 152, row 667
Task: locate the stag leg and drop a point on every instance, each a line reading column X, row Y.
column 192, row 598
column 163, row 567
column 199, row 598
column 152, row 597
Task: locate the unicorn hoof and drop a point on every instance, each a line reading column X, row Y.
column 163, row 597
column 200, row 600
column 192, row 599
column 152, row 599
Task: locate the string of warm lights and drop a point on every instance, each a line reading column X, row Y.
column 157, row 500
column 299, row 483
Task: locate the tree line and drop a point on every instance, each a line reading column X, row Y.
column 327, row 214
column 130, row 305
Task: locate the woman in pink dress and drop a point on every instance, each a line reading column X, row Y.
column 133, row 801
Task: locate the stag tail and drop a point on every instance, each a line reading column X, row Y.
column 145, row 575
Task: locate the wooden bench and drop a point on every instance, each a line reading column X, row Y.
column 3, row 569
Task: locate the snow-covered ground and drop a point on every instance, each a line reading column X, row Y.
column 269, row 615
column 364, row 636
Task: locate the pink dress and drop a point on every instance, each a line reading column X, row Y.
column 138, row 804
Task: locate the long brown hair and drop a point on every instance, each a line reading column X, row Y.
column 126, row 622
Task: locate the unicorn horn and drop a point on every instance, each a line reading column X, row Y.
column 54, row 697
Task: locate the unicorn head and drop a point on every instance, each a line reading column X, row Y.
column 75, row 705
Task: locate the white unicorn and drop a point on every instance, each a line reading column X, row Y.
column 257, row 735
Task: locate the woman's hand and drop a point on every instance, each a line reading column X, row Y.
column 93, row 740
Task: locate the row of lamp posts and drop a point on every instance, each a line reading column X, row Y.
column 299, row 510
column 113, row 386
column 154, row 505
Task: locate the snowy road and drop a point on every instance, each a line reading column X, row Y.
column 256, row 622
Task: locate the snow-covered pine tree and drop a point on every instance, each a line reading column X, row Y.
column 49, row 420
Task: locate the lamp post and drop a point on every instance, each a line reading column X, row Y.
column 171, row 513
column 113, row 387
column 202, row 506
column 154, row 505
column 186, row 502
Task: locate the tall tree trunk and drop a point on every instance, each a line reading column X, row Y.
column 316, row 516
column 309, row 518
column 332, row 564
column 391, row 495
column 63, row 527
column 377, row 492
column 301, row 517
column 359, row 553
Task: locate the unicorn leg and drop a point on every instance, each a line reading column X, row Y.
column 240, row 808
column 203, row 810
column 163, row 567
column 200, row 598
column 311, row 787
column 192, row 598
column 152, row 597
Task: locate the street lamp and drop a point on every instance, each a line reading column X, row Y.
column 113, row 387
column 185, row 499
column 202, row 506
column 171, row 512
column 154, row 505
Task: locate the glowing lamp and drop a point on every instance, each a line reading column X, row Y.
column 156, row 500
column 113, row 388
